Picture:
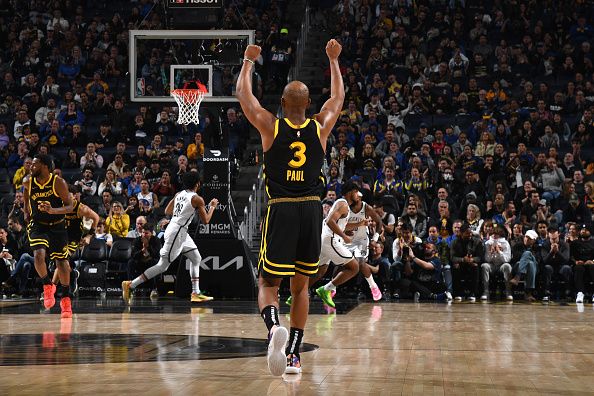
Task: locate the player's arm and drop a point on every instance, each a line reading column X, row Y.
column 354, row 226
column 340, row 211
column 85, row 211
column 331, row 110
column 47, row 207
column 27, row 204
column 198, row 203
column 389, row 228
column 62, row 190
column 169, row 207
column 258, row 116
column 369, row 211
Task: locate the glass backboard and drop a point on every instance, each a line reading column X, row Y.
column 161, row 60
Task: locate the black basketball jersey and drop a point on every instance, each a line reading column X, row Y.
column 44, row 193
column 74, row 223
column 293, row 163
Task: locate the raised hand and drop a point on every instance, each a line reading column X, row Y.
column 252, row 52
column 333, row 49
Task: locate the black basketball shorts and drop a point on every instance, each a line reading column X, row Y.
column 51, row 237
column 291, row 237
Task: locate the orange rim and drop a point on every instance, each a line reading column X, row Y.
column 189, row 95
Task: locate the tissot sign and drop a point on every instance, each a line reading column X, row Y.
column 195, row 3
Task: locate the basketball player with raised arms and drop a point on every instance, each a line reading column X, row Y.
column 46, row 231
column 182, row 208
column 294, row 149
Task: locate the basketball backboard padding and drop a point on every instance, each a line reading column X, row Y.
column 169, row 41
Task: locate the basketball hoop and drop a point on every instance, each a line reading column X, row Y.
column 188, row 100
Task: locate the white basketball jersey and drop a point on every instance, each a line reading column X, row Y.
column 360, row 233
column 148, row 197
column 326, row 231
column 183, row 211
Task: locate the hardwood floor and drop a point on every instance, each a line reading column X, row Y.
column 387, row 348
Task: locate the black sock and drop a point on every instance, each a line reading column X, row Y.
column 295, row 337
column 65, row 290
column 46, row 280
column 270, row 316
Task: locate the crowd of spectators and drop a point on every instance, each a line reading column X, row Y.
column 468, row 125
column 64, row 91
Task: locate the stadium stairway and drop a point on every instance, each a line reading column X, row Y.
column 311, row 73
column 314, row 63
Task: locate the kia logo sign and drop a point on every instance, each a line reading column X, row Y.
column 215, row 263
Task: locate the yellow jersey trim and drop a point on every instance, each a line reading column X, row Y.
column 298, row 199
column 317, row 127
column 264, row 236
column 278, row 265
column 29, row 197
column 51, row 178
column 276, row 128
column 297, row 126
column 278, row 273
column 38, row 243
column 54, row 187
column 306, row 272
column 307, row 264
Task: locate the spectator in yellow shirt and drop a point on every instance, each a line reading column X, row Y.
column 96, row 85
column 354, row 114
column 118, row 222
column 20, row 173
column 196, row 150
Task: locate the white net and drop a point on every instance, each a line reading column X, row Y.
column 188, row 101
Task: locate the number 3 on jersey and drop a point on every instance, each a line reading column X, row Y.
column 297, row 162
column 299, row 155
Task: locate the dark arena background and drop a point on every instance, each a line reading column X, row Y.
column 466, row 126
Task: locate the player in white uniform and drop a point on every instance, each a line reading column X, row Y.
column 360, row 215
column 182, row 207
column 334, row 241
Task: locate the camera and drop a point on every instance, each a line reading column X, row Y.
column 405, row 251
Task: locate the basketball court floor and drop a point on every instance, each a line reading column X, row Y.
column 167, row 347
